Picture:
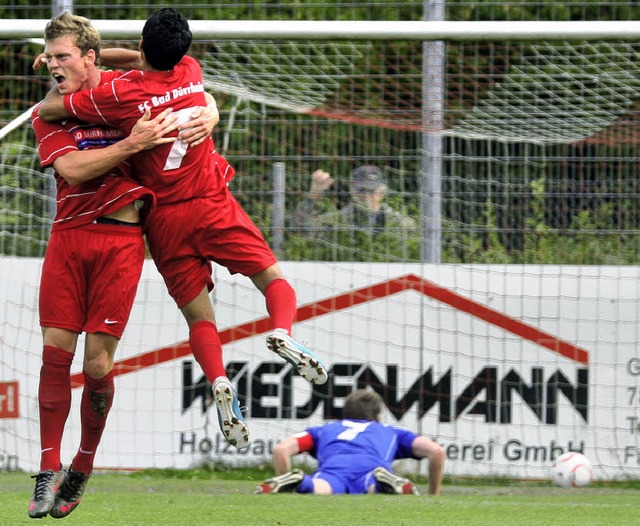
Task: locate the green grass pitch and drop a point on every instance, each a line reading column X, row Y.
column 202, row 497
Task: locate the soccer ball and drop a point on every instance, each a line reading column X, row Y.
column 572, row 470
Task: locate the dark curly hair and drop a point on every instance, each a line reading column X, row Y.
column 166, row 38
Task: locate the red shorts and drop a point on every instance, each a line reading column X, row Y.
column 89, row 278
column 185, row 237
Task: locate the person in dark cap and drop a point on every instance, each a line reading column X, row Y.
column 367, row 178
column 365, row 211
column 368, row 191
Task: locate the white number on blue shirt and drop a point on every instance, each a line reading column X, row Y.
column 353, row 429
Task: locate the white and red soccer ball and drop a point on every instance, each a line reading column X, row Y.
column 572, row 470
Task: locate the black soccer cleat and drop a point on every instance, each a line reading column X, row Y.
column 70, row 494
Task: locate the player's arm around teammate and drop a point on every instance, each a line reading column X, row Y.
column 194, row 183
column 194, row 132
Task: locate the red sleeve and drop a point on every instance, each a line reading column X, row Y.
column 101, row 105
column 53, row 139
column 109, row 75
column 305, row 442
column 82, row 106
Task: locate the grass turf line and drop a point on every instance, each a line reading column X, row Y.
column 194, row 498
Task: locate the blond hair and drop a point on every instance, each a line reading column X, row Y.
column 86, row 36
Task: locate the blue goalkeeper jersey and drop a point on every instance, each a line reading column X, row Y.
column 359, row 446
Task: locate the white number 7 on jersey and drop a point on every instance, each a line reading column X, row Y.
column 178, row 148
column 353, row 429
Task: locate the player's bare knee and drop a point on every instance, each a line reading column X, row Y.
column 438, row 455
column 262, row 279
column 60, row 338
column 97, row 367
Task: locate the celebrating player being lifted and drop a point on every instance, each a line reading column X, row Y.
column 354, row 454
column 197, row 219
column 93, row 262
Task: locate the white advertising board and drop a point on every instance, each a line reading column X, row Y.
column 506, row 366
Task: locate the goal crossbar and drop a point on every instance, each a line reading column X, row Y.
column 358, row 30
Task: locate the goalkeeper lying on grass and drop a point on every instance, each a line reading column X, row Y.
column 354, row 454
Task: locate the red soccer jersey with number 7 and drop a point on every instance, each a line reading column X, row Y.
column 173, row 171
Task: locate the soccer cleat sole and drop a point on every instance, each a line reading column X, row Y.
column 398, row 485
column 286, row 482
column 235, row 430
column 307, row 365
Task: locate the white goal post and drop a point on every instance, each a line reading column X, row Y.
column 358, row 30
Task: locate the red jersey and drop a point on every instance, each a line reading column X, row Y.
column 83, row 203
column 173, row 171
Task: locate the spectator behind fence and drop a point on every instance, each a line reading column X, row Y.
column 365, row 210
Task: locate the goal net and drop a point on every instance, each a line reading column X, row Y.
column 518, row 344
